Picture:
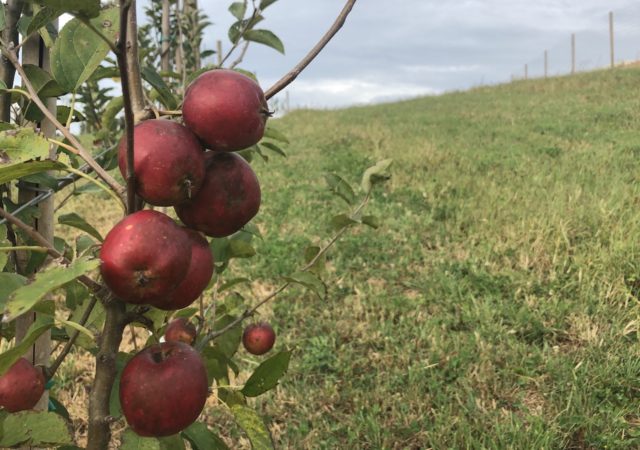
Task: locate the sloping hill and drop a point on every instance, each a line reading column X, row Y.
column 497, row 305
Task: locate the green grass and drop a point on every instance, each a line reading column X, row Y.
column 496, row 307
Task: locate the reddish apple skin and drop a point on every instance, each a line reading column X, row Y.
column 197, row 278
column 225, row 109
column 145, row 256
column 163, row 389
column 228, row 199
column 180, row 330
column 168, row 162
column 258, row 338
column 21, row 386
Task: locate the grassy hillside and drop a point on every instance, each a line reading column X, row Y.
column 497, row 306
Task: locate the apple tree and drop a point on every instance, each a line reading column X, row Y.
column 171, row 145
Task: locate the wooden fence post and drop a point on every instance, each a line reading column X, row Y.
column 166, row 30
column 573, row 54
column 611, row 40
column 35, row 52
column 546, row 64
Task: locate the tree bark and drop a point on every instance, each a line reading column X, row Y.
column 7, row 71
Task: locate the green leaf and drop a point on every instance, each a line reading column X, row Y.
column 131, row 441
column 225, row 249
column 267, row 374
column 173, row 442
column 202, row 438
column 228, row 343
column 220, row 249
column 310, row 281
column 77, row 327
column 185, row 312
column 15, row 171
column 58, row 408
column 154, row 79
column 43, row 83
column 265, row 37
column 103, row 72
column 253, row 425
column 342, row 221
column 84, row 243
column 75, row 294
column 340, row 187
column 18, row 146
column 9, row 282
column 376, row 174
column 43, row 179
column 217, row 365
column 372, row 221
column 272, row 133
column 115, row 105
column 3, row 18
column 89, row 8
column 4, row 258
column 233, row 282
column 274, row 148
column 78, row 51
column 8, row 358
column 42, row 18
column 26, row 297
column 35, row 428
column 74, row 220
column 94, row 324
column 265, row 3
column 238, row 9
column 63, row 112
column 309, row 254
column 240, row 249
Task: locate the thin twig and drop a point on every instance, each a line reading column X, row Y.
column 293, row 74
column 241, row 56
column 123, row 64
column 249, row 312
column 246, row 28
column 83, row 153
column 21, row 248
column 51, row 250
column 53, row 368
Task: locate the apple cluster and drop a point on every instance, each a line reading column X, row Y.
column 148, row 258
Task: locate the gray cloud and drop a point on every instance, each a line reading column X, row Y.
column 405, row 48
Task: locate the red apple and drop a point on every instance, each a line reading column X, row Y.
column 228, row 199
column 168, row 162
column 180, row 330
column 197, row 277
column 258, row 338
column 21, row 386
column 225, row 109
column 145, row 256
column 163, row 389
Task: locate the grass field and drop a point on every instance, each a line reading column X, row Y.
column 497, row 305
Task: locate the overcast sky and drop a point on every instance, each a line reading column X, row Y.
column 397, row 49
